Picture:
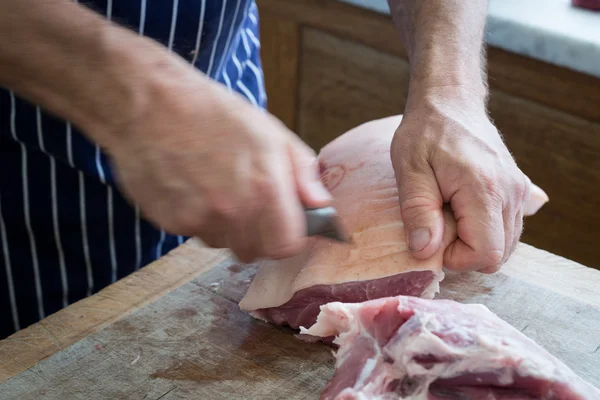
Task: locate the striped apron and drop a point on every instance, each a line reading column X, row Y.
column 65, row 230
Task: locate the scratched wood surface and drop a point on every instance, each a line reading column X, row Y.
column 195, row 343
column 62, row 329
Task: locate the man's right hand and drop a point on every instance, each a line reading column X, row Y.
column 201, row 161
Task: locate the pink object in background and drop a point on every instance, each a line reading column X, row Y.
column 587, row 4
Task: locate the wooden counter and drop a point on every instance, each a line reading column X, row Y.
column 330, row 66
column 173, row 330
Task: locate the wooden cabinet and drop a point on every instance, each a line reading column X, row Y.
column 330, row 66
column 345, row 84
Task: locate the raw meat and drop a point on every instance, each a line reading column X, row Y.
column 410, row 348
column 357, row 169
column 587, row 4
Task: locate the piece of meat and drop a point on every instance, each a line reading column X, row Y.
column 587, row 4
column 357, row 169
column 410, row 348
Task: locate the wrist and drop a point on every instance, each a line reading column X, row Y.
column 454, row 93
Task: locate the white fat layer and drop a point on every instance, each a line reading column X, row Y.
column 366, row 371
column 381, row 227
column 378, row 251
column 394, row 228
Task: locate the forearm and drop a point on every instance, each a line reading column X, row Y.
column 444, row 43
column 76, row 64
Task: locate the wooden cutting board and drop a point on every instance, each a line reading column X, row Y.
column 194, row 343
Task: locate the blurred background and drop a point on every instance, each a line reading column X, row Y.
column 344, row 64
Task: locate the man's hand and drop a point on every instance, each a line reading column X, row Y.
column 199, row 160
column 203, row 162
column 447, row 151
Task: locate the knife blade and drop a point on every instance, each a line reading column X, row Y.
column 326, row 222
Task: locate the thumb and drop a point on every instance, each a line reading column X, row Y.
column 421, row 207
column 311, row 190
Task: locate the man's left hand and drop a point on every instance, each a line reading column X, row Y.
column 446, row 150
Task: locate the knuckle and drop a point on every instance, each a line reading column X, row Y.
column 526, row 188
column 416, row 207
column 417, row 202
column 222, row 212
column 265, row 189
column 519, row 187
column 505, row 190
column 304, row 153
column 489, row 182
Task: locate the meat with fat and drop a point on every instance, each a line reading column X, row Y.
column 410, row 348
column 357, row 169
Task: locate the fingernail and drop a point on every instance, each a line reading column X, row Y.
column 419, row 239
column 319, row 192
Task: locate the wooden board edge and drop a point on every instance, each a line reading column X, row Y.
column 30, row 345
column 550, row 271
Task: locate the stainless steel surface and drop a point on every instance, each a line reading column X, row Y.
column 325, row 222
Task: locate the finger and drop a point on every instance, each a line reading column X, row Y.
column 509, row 215
column 309, row 187
column 212, row 221
column 217, row 239
column 535, row 199
column 421, row 208
column 281, row 225
column 518, row 231
column 539, row 197
column 244, row 243
column 513, row 216
column 514, row 238
column 508, row 218
column 480, row 227
column 450, row 234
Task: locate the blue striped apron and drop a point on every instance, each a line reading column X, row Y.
column 65, row 230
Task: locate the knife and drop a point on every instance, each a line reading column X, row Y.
column 326, row 222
